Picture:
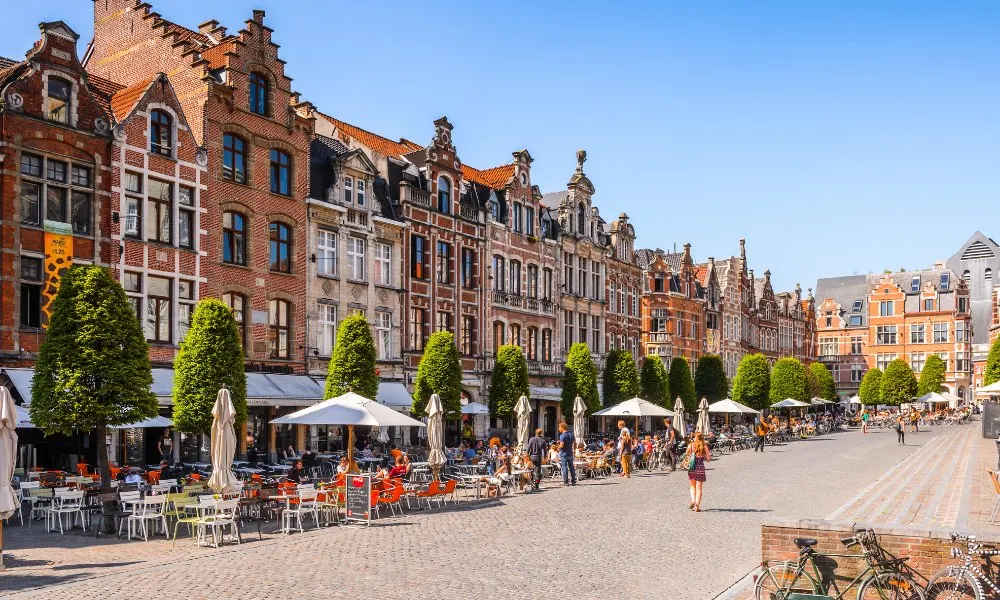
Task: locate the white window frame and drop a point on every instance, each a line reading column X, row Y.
column 356, row 258
column 383, row 334
column 360, row 192
column 383, row 263
column 327, row 332
column 327, row 252
column 348, row 189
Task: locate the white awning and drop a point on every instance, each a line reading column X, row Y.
column 20, row 380
column 394, row 394
column 553, row 394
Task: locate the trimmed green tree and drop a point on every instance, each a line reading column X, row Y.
column 210, row 357
column 822, row 380
column 932, row 377
column 653, row 381
column 93, row 368
column 788, row 380
column 439, row 372
column 681, row 384
column 352, row 363
column 620, row 380
column 710, row 379
column 579, row 379
column 992, row 374
column 752, row 384
column 870, row 392
column 898, row 383
column 509, row 380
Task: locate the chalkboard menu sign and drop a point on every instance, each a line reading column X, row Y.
column 359, row 498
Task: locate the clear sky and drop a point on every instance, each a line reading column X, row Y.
column 837, row 137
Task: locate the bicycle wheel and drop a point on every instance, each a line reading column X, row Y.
column 953, row 584
column 779, row 581
column 890, row 586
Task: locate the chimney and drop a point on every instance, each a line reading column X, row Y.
column 258, row 16
column 208, row 27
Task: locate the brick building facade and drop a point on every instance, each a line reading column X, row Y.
column 624, row 290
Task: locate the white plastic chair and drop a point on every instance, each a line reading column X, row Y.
column 223, row 517
column 307, row 506
column 68, row 503
column 148, row 509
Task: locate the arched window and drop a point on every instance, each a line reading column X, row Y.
column 238, row 304
column 234, row 158
column 60, row 93
column 234, row 238
column 160, row 127
column 281, row 248
column 258, row 94
column 280, row 325
column 444, row 195
column 961, row 393
column 515, row 335
column 281, row 166
column 581, row 219
column 495, row 208
column 967, row 275
column 499, row 337
column 532, row 343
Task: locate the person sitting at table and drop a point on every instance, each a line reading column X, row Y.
column 409, row 466
column 290, row 454
column 168, row 472
column 308, row 459
column 468, row 455
column 399, row 470
column 382, row 474
column 133, row 477
column 343, row 466
column 367, row 452
column 296, row 474
column 553, row 455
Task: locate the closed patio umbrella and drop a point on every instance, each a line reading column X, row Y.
column 523, row 411
column 703, row 424
column 223, row 480
column 435, row 435
column 8, row 454
column 579, row 418
column 679, row 422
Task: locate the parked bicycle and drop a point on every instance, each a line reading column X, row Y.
column 882, row 579
column 965, row 581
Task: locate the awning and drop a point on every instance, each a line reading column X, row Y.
column 552, row 394
column 20, row 380
column 394, row 394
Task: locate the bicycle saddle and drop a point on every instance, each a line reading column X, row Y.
column 805, row 542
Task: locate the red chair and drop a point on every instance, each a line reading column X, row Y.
column 392, row 498
column 448, row 490
column 433, row 489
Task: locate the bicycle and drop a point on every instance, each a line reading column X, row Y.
column 882, row 579
column 963, row 581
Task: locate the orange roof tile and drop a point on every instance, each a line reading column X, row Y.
column 125, row 100
column 701, row 274
column 104, row 90
column 216, row 55
column 184, row 34
column 494, row 178
column 380, row 144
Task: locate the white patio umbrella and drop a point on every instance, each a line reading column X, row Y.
column 855, row 400
column 8, row 456
column 730, row 407
column 223, row 480
column 634, row 407
column 475, row 408
column 523, row 411
column 789, row 403
column 156, row 421
column 933, row 398
column 435, row 435
column 703, row 425
column 992, row 389
column 679, row 423
column 579, row 418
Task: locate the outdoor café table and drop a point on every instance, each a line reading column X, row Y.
column 370, row 463
column 200, row 466
column 287, row 498
column 282, row 468
column 476, row 481
column 469, row 469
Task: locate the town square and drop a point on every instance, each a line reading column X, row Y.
column 264, row 333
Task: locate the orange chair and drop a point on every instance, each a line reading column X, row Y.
column 153, row 477
column 194, row 477
column 256, row 478
column 115, row 471
column 433, row 489
column 448, row 490
column 392, row 498
column 83, row 470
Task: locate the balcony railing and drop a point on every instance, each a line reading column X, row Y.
column 357, row 217
column 519, row 302
column 469, row 212
column 659, row 338
column 535, row 367
column 417, row 196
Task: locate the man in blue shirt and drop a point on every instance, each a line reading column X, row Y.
column 566, row 443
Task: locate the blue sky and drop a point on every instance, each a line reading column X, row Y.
column 837, row 137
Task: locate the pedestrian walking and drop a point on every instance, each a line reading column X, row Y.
column 536, row 452
column 671, row 443
column 696, row 473
column 900, row 430
column 915, row 419
column 566, row 443
column 864, row 420
column 760, row 430
column 625, row 449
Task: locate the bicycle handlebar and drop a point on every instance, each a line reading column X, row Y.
column 849, row 541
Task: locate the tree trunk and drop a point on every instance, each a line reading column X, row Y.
column 104, row 469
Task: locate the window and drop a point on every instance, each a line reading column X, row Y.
column 658, row 323
column 568, row 273
column 915, row 284
column 547, row 283
column 568, row 328
column 961, row 333
column 857, row 306
column 944, row 358
column 928, row 304
column 547, row 345
column 940, row 333
column 581, row 219
column 882, row 360
column 185, row 307
column 61, row 203
column 582, row 265
column 988, row 274
column 280, row 172
column 468, row 334
column 515, row 278
column 326, row 252
column 361, row 192
column 383, row 335
column 238, row 304
column 658, row 281
column 281, row 248
column 835, row 372
column 857, row 373
column 234, row 158
column 886, row 308
column 280, row 325
column 532, row 281
column 962, row 362
column 828, row 346
column 348, row 189
column 443, row 264
column 327, row 329
column 532, row 343
column 31, row 291
column 596, row 287
column 419, row 258
column 159, row 210
column 444, row 195
column 917, row 333
column 418, row 320
column 158, row 309
column 966, row 276
column 529, row 220
column 383, row 263
column 495, row 207
column 499, row 274
column 855, row 345
column 885, row 334
column 258, row 94
column 60, row 94
column 185, row 217
column 443, row 321
column 499, row 335
column 468, row 266
column 515, row 335
column 31, row 202
column 596, row 330
column 132, row 283
column 917, row 360
column 853, row 321
column 517, row 218
column 355, row 258
column 945, row 281
column 622, row 300
column 963, row 305
column 234, row 238
column 160, row 132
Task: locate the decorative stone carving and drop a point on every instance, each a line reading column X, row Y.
column 356, row 291
column 201, row 158
column 119, row 133
column 100, row 126
column 383, row 296
column 15, row 101
column 327, row 287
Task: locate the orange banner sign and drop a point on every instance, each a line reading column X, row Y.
column 58, row 259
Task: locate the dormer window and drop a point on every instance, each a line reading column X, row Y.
column 444, row 195
column 258, row 94
column 361, row 192
column 857, row 306
column 60, row 98
column 160, row 127
column 495, row 208
column 945, row 282
column 348, row 189
column 915, row 284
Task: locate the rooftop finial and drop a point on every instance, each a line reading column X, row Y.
column 581, row 157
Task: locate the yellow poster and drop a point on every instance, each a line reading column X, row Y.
column 58, row 258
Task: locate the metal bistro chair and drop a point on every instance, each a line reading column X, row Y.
column 68, row 504
column 307, row 505
column 225, row 515
column 148, row 509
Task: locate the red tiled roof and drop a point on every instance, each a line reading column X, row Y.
column 104, row 90
column 216, row 55
column 494, row 178
column 125, row 100
column 6, row 63
column 701, row 274
column 7, row 72
column 380, row 144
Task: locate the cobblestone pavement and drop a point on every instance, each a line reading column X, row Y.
column 602, row 539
